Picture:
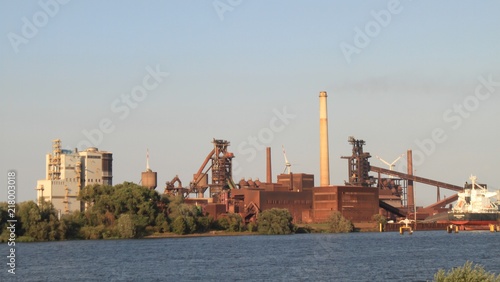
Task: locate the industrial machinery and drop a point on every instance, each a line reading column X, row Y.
column 171, row 189
column 359, row 166
column 395, row 195
column 220, row 160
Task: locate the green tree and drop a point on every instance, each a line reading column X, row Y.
column 39, row 224
column 204, row 223
column 184, row 210
column 188, row 213
column 126, row 226
column 4, row 233
column 144, row 210
column 29, row 216
column 222, row 223
column 161, row 223
column 190, row 224
column 337, row 223
column 93, row 232
column 251, row 227
column 108, row 203
column 231, row 222
column 275, row 222
column 466, row 273
column 143, row 225
column 179, row 226
column 173, row 205
column 73, row 222
column 235, row 222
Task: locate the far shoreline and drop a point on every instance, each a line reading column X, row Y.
column 194, row 235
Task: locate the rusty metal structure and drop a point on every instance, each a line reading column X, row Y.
column 358, row 165
column 396, row 191
column 413, row 178
column 171, row 189
column 221, row 168
column 292, row 191
column 219, row 163
column 417, row 179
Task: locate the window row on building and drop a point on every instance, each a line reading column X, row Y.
column 286, row 202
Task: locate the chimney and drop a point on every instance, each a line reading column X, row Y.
column 269, row 173
column 324, row 162
column 410, row 195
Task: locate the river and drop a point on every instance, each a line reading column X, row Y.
column 315, row 257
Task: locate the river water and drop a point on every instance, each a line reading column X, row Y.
column 299, row 257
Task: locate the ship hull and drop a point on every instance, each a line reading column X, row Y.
column 474, row 218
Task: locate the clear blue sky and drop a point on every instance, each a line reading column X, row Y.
column 232, row 67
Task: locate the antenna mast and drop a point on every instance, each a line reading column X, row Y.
column 147, row 160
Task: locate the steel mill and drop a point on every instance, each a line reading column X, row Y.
column 369, row 190
column 389, row 193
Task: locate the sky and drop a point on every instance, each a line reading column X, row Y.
column 169, row 76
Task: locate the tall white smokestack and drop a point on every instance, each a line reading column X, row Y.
column 324, row 159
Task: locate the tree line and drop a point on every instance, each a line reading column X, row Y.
column 129, row 210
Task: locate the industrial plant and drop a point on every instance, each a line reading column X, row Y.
column 369, row 190
column 389, row 193
column 67, row 172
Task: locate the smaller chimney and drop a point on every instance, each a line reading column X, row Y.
column 269, row 172
column 409, row 191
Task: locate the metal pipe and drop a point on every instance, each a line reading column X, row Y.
column 324, row 163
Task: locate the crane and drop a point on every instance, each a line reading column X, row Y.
column 287, row 164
